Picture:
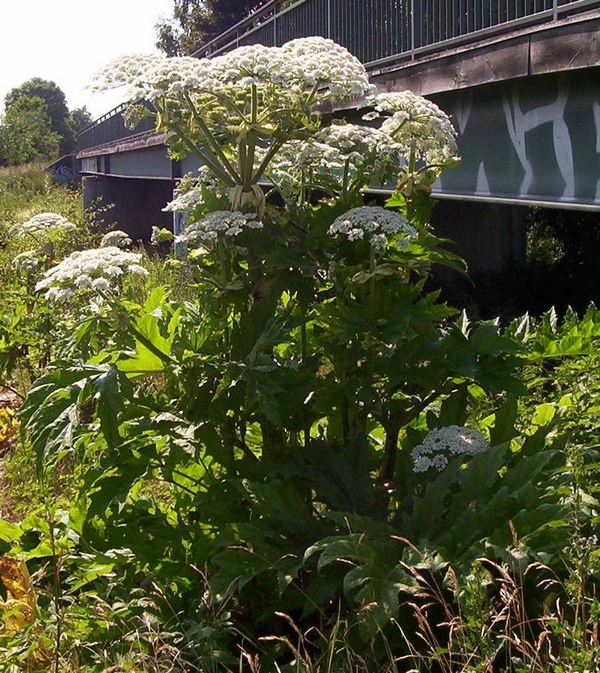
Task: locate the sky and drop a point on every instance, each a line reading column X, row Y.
column 67, row 41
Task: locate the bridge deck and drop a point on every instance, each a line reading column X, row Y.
column 383, row 34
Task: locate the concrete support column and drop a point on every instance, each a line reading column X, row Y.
column 132, row 204
column 490, row 237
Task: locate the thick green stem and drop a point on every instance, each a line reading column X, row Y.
column 225, row 280
column 303, row 337
column 345, row 181
column 242, row 155
column 313, row 93
column 211, row 139
column 372, row 284
column 56, row 592
column 388, row 469
column 412, row 160
column 265, row 162
column 204, row 154
column 402, row 123
column 251, row 138
column 304, row 354
column 247, row 176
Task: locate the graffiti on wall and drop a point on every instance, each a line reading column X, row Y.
column 531, row 139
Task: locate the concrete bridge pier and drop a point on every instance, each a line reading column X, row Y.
column 133, row 204
column 491, row 237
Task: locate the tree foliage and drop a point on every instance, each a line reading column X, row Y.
column 195, row 22
column 80, row 119
column 26, row 132
column 56, row 103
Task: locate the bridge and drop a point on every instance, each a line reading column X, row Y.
column 519, row 78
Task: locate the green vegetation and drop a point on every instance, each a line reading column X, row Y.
column 284, row 453
column 27, row 190
column 26, row 133
column 196, row 22
column 37, row 124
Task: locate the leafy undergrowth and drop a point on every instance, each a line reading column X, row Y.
column 168, row 562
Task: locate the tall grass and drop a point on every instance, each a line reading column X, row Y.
column 27, row 190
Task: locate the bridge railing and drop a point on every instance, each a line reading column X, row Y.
column 378, row 32
column 386, row 29
column 111, row 127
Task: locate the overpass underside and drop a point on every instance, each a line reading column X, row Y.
column 525, row 103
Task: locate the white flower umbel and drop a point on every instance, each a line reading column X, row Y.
column 300, row 162
column 153, row 76
column 374, row 224
column 189, row 193
column 98, row 270
column 350, row 139
column 338, row 157
column 419, row 126
column 185, row 201
column 41, row 224
column 116, row 239
column 220, row 224
column 322, row 63
column 28, row 262
column 307, row 64
column 444, row 443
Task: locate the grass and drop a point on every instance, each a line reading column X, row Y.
column 27, row 190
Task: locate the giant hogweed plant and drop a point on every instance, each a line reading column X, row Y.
column 315, row 406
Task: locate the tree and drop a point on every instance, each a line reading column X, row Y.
column 26, row 132
column 56, row 103
column 80, row 119
column 195, row 22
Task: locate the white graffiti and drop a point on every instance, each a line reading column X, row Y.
column 519, row 123
column 462, row 112
column 483, row 184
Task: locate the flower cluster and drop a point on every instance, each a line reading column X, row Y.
column 299, row 162
column 418, row 125
column 374, row 224
column 160, row 236
column 28, row 262
column 220, row 224
column 185, row 201
column 355, row 154
column 442, row 444
column 152, row 76
column 116, row 239
column 320, row 62
column 98, row 270
column 302, row 65
column 42, row 224
column 189, row 193
column 352, row 140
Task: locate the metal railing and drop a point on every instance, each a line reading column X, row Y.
column 111, row 127
column 386, row 29
column 378, row 32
